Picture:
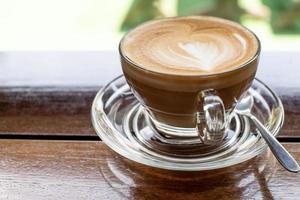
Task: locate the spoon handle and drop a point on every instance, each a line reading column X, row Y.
column 282, row 155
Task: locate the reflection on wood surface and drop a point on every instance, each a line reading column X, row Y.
column 89, row 170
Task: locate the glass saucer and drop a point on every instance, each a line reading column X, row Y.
column 120, row 122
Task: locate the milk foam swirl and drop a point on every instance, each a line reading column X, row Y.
column 195, row 45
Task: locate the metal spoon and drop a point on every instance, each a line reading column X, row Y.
column 282, row 155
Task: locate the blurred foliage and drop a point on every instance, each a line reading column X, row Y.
column 139, row 12
column 228, row 9
column 284, row 17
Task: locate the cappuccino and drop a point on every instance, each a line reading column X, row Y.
column 190, row 45
column 168, row 62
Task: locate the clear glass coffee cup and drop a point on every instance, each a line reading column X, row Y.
column 182, row 106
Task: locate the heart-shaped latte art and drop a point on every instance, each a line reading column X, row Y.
column 205, row 52
column 193, row 46
column 204, row 55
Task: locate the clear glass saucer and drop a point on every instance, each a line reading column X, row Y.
column 120, row 122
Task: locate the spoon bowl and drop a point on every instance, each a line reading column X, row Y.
column 283, row 156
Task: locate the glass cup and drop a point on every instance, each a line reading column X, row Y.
column 187, row 106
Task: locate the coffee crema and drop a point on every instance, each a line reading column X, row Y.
column 190, row 45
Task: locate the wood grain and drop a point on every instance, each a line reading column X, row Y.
column 66, row 111
column 89, row 170
column 46, row 111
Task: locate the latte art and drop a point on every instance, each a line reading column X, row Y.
column 189, row 46
column 205, row 55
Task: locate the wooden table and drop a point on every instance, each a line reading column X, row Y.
column 50, row 151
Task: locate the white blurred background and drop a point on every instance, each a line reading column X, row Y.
column 82, row 25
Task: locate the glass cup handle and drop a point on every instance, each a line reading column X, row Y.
column 210, row 117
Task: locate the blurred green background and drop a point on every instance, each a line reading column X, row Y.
column 99, row 24
column 282, row 15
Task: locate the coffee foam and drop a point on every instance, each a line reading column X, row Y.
column 189, row 45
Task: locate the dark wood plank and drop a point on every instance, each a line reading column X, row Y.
column 66, row 111
column 46, row 111
column 291, row 102
column 89, row 170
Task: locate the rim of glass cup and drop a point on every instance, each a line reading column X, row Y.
column 138, row 157
column 253, row 58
